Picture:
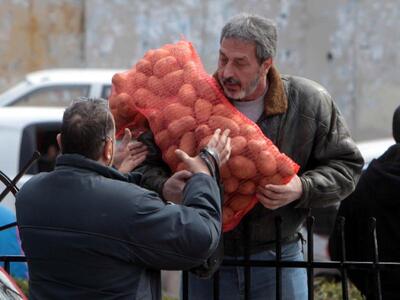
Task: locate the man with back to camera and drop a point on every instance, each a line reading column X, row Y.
column 301, row 119
column 90, row 232
column 377, row 195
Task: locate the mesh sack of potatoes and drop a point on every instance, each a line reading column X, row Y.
column 183, row 105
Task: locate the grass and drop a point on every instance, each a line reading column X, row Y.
column 325, row 288
column 329, row 288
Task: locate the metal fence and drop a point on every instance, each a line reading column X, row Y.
column 374, row 266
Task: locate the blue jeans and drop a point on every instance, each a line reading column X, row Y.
column 294, row 280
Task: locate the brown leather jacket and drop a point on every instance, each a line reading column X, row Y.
column 301, row 119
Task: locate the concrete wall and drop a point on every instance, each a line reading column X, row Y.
column 351, row 47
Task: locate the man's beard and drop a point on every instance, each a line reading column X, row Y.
column 243, row 93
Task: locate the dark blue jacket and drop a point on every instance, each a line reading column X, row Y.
column 88, row 233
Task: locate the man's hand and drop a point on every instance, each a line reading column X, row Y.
column 129, row 154
column 173, row 187
column 275, row 196
column 220, row 144
column 137, row 153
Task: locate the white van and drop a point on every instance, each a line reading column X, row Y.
column 57, row 87
column 23, row 130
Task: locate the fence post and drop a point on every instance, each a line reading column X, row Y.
column 377, row 277
column 278, row 251
column 343, row 269
column 216, row 285
column 185, row 285
column 310, row 257
column 247, row 273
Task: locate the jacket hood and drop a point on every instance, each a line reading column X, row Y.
column 384, row 174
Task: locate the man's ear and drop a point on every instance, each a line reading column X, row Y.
column 266, row 65
column 108, row 152
column 58, row 138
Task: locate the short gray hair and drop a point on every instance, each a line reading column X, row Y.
column 253, row 28
column 86, row 124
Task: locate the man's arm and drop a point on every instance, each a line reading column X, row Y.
column 333, row 167
column 169, row 236
column 184, row 236
column 335, row 164
column 154, row 170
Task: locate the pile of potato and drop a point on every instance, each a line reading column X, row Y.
column 183, row 106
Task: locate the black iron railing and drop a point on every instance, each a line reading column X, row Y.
column 342, row 266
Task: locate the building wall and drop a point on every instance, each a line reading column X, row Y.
column 350, row 47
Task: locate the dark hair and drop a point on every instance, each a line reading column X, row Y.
column 86, row 125
column 256, row 29
column 396, row 125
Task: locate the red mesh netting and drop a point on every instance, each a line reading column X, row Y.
column 183, row 105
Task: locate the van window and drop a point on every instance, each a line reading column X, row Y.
column 52, row 96
column 41, row 137
column 106, row 91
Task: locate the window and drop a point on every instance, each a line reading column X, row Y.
column 106, row 91
column 53, row 96
column 41, row 137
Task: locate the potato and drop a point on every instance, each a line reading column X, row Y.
column 247, row 188
column 190, row 72
column 202, row 110
column 227, row 214
column 144, row 66
column 256, row 146
column 188, row 143
column 176, row 111
column 163, row 139
column 172, row 82
column 135, row 80
column 275, row 179
column 238, row 144
column 126, row 107
column 248, row 130
column 204, row 90
column 178, row 127
column 158, row 54
column 164, row 66
column 242, row 167
column 239, row 202
column 170, row 157
column 266, row 163
column 231, row 184
column 119, row 81
column 181, row 52
column 285, row 166
column 149, row 55
column 156, row 120
column 187, row 95
column 202, row 131
column 203, row 143
column 143, row 98
column 224, row 171
column 221, row 110
column 156, row 86
column 224, row 123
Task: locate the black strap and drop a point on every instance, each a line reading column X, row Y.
column 211, row 162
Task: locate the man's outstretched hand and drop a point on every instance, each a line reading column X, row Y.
column 220, row 144
column 129, row 154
